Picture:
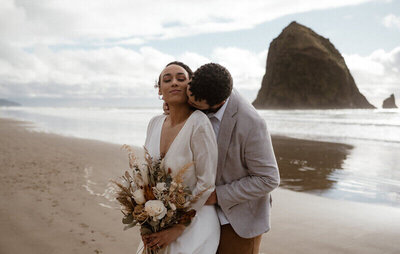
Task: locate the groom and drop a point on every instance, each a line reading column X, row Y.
column 247, row 171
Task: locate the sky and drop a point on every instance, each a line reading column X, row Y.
column 110, row 53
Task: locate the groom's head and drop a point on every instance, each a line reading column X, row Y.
column 211, row 85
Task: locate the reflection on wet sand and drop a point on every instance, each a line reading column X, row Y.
column 306, row 165
column 363, row 171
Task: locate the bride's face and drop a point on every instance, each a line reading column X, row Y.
column 173, row 83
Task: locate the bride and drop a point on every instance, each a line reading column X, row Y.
column 184, row 136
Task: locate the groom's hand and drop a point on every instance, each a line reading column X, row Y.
column 166, row 108
column 212, row 199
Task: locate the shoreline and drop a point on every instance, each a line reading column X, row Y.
column 55, row 190
column 306, row 165
column 316, row 166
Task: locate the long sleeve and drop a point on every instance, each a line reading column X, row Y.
column 205, row 152
column 149, row 131
column 263, row 174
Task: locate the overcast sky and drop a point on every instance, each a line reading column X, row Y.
column 114, row 50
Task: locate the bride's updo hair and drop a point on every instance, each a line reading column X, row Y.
column 184, row 66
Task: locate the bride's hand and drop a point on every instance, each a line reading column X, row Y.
column 161, row 239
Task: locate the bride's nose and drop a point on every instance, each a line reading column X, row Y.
column 174, row 82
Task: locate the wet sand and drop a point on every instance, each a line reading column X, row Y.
column 360, row 171
column 306, row 165
column 55, row 199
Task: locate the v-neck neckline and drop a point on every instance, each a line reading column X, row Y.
column 176, row 137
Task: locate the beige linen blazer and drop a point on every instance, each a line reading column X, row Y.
column 247, row 171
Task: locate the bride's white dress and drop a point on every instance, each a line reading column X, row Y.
column 195, row 142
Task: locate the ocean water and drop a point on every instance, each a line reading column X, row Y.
column 368, row 171
column 114, row 125
column 351, row 125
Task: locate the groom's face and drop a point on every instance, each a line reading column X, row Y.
column 199, row 104
column 202, row 104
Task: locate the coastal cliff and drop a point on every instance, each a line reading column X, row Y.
column 305, row 71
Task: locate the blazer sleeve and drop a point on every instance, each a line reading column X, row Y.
column 205, row 153
column 263, row 175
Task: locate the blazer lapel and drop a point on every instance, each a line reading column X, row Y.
column 225, row 132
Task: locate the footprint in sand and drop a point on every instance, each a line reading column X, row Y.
column 83, row 225
column 54, row 203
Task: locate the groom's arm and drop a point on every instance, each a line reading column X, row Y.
column 263, row 175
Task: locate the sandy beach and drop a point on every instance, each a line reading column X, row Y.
column 55, row 199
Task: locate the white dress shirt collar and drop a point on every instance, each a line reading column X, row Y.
column 220, row 113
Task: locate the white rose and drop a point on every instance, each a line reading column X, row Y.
column 155, row 209
column 161, row 187
column 138, row 196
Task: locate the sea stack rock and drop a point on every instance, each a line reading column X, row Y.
column 305, row 71
column 389, row 102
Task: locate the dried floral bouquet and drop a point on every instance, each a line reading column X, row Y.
column 151, row 197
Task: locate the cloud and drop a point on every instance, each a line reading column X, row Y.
column 377, row 75
column 391, row 21
column 111, row 72
column 51, row 22
column 118, row 72
column 247, row 68
column 35, row 60
column 98, row 73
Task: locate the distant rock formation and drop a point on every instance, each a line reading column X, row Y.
column 389, row 102
column 305, row 71
column 4, row 102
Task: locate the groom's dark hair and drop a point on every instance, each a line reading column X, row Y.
column 211, row 82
